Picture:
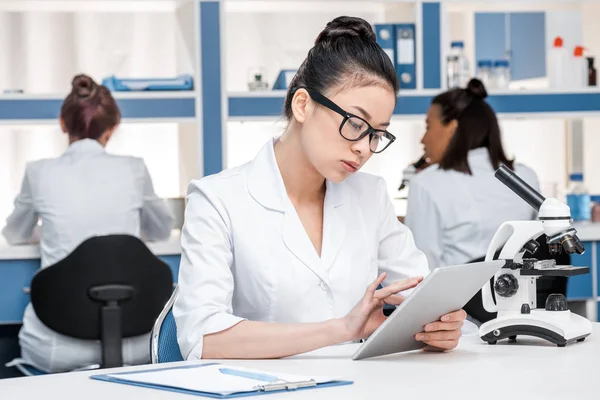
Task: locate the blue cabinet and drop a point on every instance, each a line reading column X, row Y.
column 520, row 36
column 15, row 280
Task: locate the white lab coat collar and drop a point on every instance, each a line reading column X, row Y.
column 266, row 186
column 85, row 146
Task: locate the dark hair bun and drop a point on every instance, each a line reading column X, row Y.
column 477, row 88
column 83, row 86
column 346, row 27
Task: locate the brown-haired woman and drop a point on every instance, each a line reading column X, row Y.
column 85, row 192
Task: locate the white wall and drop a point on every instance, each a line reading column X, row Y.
column 276, row 41
column 42, row 51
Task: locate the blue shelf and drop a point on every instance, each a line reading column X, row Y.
column 135, row 106
column 270, row 105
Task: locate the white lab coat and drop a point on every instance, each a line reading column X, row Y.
column 246, row 255
column 85, row 192
column 454, row 216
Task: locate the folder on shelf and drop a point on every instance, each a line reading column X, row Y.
column 181, row 82
column 219, row 381
column 386, row 39
column 284, row 79
column 406, row 55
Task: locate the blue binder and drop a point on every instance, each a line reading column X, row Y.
column 284, row 79
column 406, row 56
column 386, row 39
column 265, row 389
column 181, row 82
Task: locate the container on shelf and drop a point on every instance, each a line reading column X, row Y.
column 578, row 198
column 458, row 74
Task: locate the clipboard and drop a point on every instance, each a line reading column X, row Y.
column 259, row 388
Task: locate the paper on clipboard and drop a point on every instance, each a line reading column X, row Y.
column 209, row 379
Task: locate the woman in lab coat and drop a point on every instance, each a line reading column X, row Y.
column 456, row 205
column 83, row 193
column 284, row 254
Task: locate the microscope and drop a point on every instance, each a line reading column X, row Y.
column 514, row 285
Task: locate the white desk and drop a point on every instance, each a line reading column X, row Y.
column 475, row 370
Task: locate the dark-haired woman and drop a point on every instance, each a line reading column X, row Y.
column 456, row 205
column 85, row 192
column 284, row 255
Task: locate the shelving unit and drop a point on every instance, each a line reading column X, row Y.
column 210, row 106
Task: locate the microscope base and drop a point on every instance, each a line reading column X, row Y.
column 558, row 327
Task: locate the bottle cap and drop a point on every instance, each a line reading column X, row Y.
column 558, row 42
column 578, row 52
column 576, row 177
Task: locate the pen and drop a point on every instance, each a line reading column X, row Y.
column 250, row 375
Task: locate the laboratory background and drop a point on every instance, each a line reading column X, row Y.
column 202, row 91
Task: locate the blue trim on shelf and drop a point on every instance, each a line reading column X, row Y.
column 432, row 38
column 256, row 106
column 49, row 109
column 545, row 103
column 212, row 113
column 518, row 103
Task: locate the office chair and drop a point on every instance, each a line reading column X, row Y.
column 109, row 288
column 163, row 339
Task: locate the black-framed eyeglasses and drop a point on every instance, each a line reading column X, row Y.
column 353, row 127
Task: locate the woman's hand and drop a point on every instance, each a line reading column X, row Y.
column 444, row 334
column 367, row 315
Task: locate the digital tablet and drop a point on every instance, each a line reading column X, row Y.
column 445, row 290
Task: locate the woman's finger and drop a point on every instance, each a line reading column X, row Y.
column 394, row 299
column 397, row 287
column 459, row 315
column 438, row 336
column 375, row 284
column 443, row 326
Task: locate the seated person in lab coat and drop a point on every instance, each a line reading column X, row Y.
column 456, row 205
column 85, row 192
column 284, row 254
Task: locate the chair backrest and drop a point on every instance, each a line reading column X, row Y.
column 60, row 293
column 163, row 343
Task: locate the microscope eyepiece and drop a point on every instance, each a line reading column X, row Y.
column 520, row 187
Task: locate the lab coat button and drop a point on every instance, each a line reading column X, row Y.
column 323, row 285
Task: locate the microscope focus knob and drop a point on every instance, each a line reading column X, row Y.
column 556, row 302
column 506, row 285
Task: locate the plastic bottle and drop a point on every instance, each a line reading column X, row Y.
column 457, row 66
column 501, row 74
column 595, row 208
column 580, row 69
column 591, row 72
column 578, row 198
column 558, row 65
column 484, row 72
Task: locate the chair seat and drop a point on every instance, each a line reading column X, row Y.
column 25, row 368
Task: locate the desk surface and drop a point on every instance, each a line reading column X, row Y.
column 475, row 370
column 170, row 246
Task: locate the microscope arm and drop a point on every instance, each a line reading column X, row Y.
column 511, row 237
